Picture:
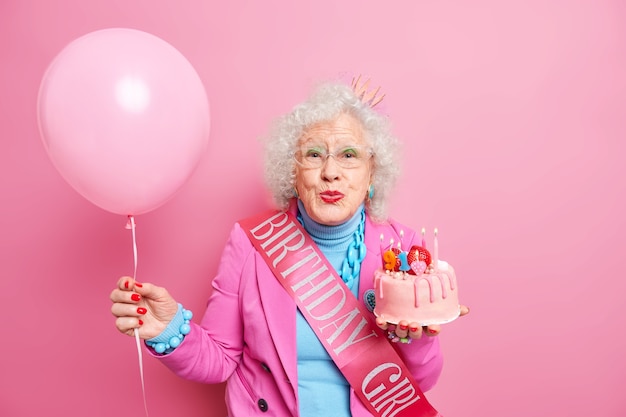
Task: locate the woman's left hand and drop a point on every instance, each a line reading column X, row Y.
column 404, row 329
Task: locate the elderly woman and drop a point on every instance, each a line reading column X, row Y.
column 331, row 163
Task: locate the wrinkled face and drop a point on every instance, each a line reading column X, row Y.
column 333, row 170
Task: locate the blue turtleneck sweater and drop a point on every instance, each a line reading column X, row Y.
column 322, row 389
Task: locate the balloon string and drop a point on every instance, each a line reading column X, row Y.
column 131, row 219
column 143, row 385
column 131, row 225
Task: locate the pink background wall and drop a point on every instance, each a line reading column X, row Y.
column 512, row 114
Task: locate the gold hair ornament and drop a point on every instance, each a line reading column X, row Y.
column 367, row 96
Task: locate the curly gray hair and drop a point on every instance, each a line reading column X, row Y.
column 327, row 102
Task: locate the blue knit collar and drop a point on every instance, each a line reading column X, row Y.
column 330, row 235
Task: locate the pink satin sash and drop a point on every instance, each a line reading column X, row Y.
column 347, row 329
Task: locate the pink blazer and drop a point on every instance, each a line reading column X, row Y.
column 248, row 332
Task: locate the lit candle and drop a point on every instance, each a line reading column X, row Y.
column 381, row 242
column 423, row 238
column 436, row 252
column 401, row 236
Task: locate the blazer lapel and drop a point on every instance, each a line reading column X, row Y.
column 373, row 257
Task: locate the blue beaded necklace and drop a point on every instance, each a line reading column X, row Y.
column 356, row 253
column 351, row 265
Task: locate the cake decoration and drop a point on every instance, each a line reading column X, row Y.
column 414, row 285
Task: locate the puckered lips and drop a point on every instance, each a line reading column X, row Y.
column 330, row 196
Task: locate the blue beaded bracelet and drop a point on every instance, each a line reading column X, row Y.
column 174, row 341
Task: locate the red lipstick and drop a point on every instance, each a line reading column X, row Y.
column 330, row 196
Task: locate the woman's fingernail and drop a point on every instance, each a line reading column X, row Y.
column 135, row 297
column 413, row 329
column 140, row 322
column 126, row 284
column 432, row 331
column 141, row 310
column 403, row 327
column 138, row 285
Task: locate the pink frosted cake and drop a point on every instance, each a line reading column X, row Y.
column 407, row 289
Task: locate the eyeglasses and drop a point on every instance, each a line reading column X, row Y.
column 312, row 157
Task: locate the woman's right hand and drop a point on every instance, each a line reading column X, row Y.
column 142, row 305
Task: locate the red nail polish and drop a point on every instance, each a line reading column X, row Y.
column 126, row 284
column 413, row 329
column 141, row 310
column 403, row 327
column 135, row 297
column 432, row 331
column 140, row 322
column 138, row 285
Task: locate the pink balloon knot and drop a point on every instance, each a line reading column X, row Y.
column 130, row 223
